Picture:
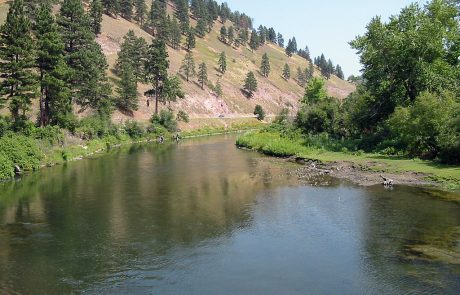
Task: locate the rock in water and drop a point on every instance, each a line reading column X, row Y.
column 17, row 169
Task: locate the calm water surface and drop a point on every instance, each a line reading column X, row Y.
column 206, row 218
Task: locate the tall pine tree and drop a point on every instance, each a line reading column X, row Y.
column 156, row 67
column 17, row 62
column 95, row 13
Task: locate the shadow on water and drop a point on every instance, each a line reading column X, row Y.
column 206, row 217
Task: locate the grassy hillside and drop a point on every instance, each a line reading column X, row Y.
column 274, row 93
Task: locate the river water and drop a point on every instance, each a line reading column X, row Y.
column 203, row 217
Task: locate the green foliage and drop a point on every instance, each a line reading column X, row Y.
column 188, row 66
column 19, row 81
column 218, row 89
column 95, row 13
column 190, row 41
column 21, row 150
column 133, row 129
column 6, row 167
column 156, row 66
column 315, row 91
column 319, row 117
column 202, row 74
column 250, row 84
column 286, row 72
column 282, row 118
column 93, row 127
column 259, row 112
column 222, row 62
column 265, row 66
column 183, row 116
column 127, row 99
column 428, row 128
column 165, row 119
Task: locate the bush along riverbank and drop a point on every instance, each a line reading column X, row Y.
column 31, row 148
column 321, row 155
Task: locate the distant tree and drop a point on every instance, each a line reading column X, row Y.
column 280, row 40
column 202, row 74
column 250, row 84
column 158, row 19
column 141, row 11
column 201, row 28
column 254, row 42
column 329, row 69
column 301, row 79
column 111, row 7
column 188, row 66
column 286, row 72
column 223, row 34
column 219, row 91
column 290, row 48
column 230, row 35
column 156, row 67
column 190, row 41
column 259, row 112
column 183, row 15
column 243, row 36
column 222, row 62
column 17, row 62
column 294, row 45
column 265, row 66
column 339, row 72
column 175, row 34
column 311, row 71
column 126, row 9
column 262, row 35
column 133, row 51
column 272, row 35
column 95, row 13
column 172, row 90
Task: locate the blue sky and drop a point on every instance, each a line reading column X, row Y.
column 325, row 26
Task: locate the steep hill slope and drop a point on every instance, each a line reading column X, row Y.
column 274, row 92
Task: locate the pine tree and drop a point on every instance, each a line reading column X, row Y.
column 55, row 94
column 158, row 19
column 175, row 35
column 262, row 35
column 254, row 43
column 243, row 37
column 132, row 51
column 219, row 91
column 201, row 29
column 339, row 72
column 290, row 48
column 172, row 90
column 280, row 40
column 111, row 7
column 294, row 45
column 183, row 15
column 301, row 80
column 190, row 41
column 188, row 66
column 286, row 72
column 223, row 34
column 272, row 35
column 17, row 61
column 156, row 67
column 230, row 35
column 222, row 62
column 202, row 74
column 265, row 66
column 141, row 10
column 127, row 99
column 84, row 56
column 95, row 12
column 329, row 69
column 250, row 84
column 126, row 9
column 311, row 71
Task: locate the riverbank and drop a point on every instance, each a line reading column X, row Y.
column 358, row 167
column 22, row 154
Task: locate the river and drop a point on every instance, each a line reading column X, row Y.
column 203, row 217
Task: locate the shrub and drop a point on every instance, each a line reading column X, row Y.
column 183, row 116
column 6, row 167
column 283, row 117
column 21, row 150
column 96, row 127
column 259, row 112
column 5, row 125
column 134, row 130
column 52, row 134
column 165, row 119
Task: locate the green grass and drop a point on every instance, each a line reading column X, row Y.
column 272, row 143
